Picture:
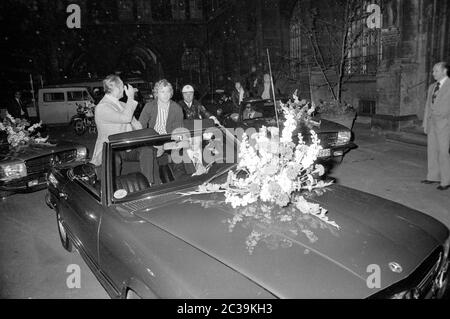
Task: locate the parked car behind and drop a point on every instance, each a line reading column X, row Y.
column 25, row 169
column 57, row 105
column 148, row 241
column 335, row 138
column 217, row 103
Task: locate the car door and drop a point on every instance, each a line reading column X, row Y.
column 81, row 209
column 52, row 108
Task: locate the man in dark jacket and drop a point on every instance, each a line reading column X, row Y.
column 192, row 109
column 16, row 108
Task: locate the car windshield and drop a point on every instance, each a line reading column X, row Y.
column 178, row 161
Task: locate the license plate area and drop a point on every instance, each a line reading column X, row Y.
column 325, row 153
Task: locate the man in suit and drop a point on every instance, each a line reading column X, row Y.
column 16, row 108
column 250, row 112
column 238, row 95
column 111, row 115
column 164, row 116
column 436, row 123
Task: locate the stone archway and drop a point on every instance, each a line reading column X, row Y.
column 141, row 61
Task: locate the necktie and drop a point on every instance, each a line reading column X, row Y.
column 436, row 89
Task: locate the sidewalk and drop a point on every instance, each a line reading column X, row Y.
column 410, row 135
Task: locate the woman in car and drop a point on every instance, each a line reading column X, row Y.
column 238, row 95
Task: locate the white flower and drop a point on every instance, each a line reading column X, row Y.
column 207, row 136
column 284, row 182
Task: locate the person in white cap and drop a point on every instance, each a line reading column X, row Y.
column 192, row 108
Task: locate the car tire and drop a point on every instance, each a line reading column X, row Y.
column 65, row 241
column 79, row 127
column 131, row 294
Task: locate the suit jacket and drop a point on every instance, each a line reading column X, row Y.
column 111, row 118
column 235, row 98
column 150, row 113
column 14, row 108
column 246, row 115
column 195, row 111
column 441, row 105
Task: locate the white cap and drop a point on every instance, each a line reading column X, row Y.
column 187, row 88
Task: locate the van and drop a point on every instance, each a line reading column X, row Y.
column 57, row 105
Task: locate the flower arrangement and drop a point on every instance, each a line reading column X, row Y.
column 275, row 170
column 335, row 108
column 302, row 110
column 20, row 133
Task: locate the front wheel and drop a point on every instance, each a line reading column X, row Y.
column 79, row 127
column 65, row 241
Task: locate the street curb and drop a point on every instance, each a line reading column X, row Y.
column 414, row 139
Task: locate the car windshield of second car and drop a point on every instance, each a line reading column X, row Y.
column 185, row 159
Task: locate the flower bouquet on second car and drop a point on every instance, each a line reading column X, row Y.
column 26, row 156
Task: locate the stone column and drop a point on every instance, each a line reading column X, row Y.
column 399, row 78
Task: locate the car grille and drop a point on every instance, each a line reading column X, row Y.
column 43, row 163
column 328, row 139
column 423, row 281
column 427, row 274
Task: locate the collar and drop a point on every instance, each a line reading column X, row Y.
column 163, row 106
column 112, row 98
column 189, row 104
column 441, row 82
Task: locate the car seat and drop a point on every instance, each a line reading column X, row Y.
column 132, row 183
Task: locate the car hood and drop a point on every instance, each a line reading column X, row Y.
column 22, row 154
column 305, row 257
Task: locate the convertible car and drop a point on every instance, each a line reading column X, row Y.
column 163, row 241
column 335, row 138
column 25, row 169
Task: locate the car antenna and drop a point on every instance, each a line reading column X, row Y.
column 273, row 90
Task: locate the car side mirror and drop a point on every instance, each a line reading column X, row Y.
column 86, row 172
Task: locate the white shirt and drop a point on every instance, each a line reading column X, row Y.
column 161, row 119
column 241, row 95
column 441, row 82
column 266, row 92
column 20, row 104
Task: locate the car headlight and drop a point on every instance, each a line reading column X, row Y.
column 12, row 171
column 407, row 294
column 81, row 153
column 343, row 138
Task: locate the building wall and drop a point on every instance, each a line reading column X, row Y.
column 414, row 36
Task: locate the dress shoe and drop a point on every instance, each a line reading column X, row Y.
column 443, row 188
column 428, row 182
